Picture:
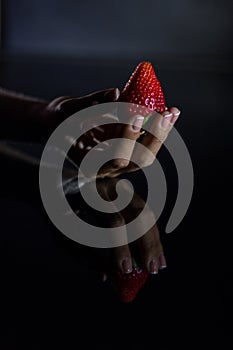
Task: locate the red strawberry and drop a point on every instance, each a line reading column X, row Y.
column 127, row 285
column 143, row 88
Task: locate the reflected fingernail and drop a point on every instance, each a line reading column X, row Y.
column 166, row 119
column 127, row 265
column 153, row 267
column 162, row 260
column 104, row 277
column 137, row 124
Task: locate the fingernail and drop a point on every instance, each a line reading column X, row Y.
column 175, row 117
column 166, row 119
column 162, row 260
column 137, row 123
column 116, row 94
column 112, row 94
column 153, row 267
column 104, row 277
column 127, row 265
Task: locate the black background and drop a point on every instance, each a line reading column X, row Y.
column 53, row 294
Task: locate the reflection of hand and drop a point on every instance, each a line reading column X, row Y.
column 147, row 250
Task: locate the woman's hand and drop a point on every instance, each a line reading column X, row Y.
column 125, row 156
column 62, row 107
column 27, row 118
column 31, row 119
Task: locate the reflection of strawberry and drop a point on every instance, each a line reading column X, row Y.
column 143, row 88
column 127, row 285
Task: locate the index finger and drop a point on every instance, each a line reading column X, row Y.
column 123, row 150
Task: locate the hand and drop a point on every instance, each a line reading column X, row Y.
column 160, row 128
column 146, row 250
column 126, row 157
column 129, row 156
column 62, row 107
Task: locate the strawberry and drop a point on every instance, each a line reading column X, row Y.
column 143, row 88
column 127, row 285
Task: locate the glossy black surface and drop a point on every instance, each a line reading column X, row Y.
column 54, row 295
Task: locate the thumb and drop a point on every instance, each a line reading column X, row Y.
column 71, row 105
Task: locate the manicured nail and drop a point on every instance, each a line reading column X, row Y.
column 104, row 277
column 137, row 124
column 166, row 119
column 127, row 265
column 162, row 261
column 167, row 114
column 174, row 119
column 153, row 267
column 112, row 94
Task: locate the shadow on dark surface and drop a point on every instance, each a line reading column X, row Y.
column 55, row 296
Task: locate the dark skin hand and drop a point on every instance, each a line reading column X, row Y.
column 27, row 118
column 127, row 157
column 147, row 250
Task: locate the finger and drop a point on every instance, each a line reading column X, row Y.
column 117, row 235
column 176, row 113
column 141, row 218
column 123, row 258
column 122, row 255
column 153, row 141
column 94, row 135
column 162, row 261
column 123, row 149
column 102, row 127
column 71, row 105
column 151, row 250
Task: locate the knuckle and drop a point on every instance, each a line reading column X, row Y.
column 145, row 162
column 120, row 163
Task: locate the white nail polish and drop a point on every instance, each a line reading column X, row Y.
column 137, row 124
column 167, row 114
